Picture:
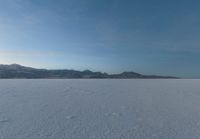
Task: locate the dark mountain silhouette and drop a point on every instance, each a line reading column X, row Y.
column 18, row 71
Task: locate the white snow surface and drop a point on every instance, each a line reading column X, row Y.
column 100, row 109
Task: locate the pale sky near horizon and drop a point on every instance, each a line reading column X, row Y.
column 147, row 36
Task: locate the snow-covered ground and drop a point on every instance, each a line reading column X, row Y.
column 100, row 109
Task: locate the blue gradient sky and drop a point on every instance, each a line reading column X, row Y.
column 146, row 36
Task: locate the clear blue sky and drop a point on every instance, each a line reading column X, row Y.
column 146, row 36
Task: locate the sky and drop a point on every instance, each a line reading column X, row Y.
column 146, row 36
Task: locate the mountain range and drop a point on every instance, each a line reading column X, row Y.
column 22, row 72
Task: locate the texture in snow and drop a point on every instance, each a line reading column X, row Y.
column 100, row 109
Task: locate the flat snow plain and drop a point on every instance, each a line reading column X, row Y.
column 100, row 109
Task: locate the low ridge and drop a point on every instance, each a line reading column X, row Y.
column 19, row 71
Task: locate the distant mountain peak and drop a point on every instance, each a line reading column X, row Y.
column 14, row 64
